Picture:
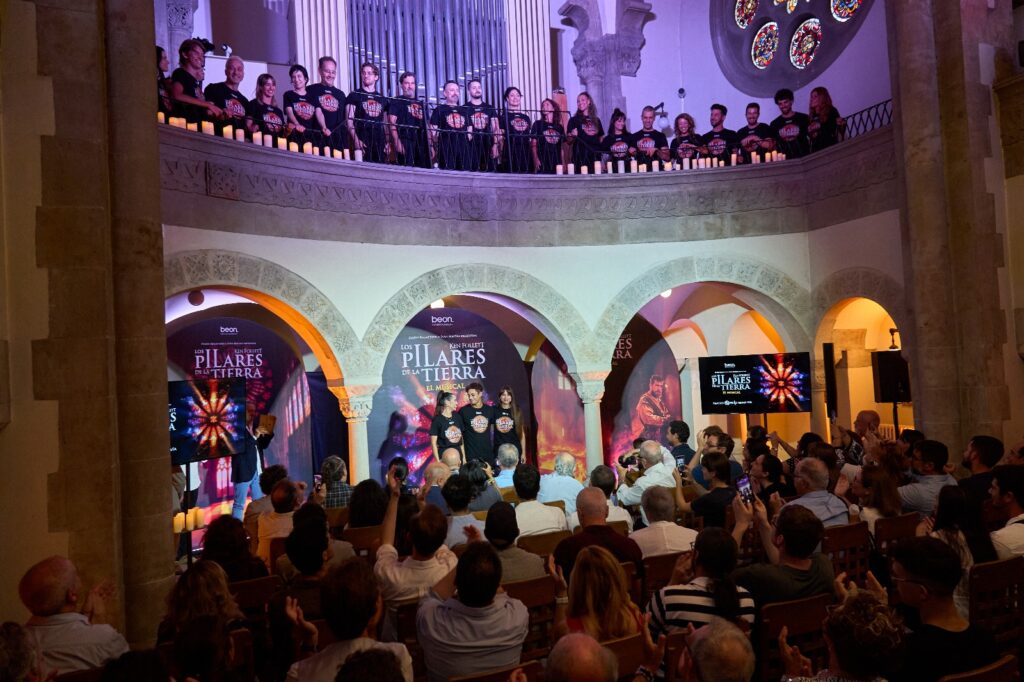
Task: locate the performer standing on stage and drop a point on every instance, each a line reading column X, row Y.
column 515, row 138
column 547, row 136
column 301, row 108
column 483, row 121
column 508, row 423
column 446, row 427
column 407, row 127
column 331, row 102
column 618, row 141
column 584, row 132
column 718, row 141
column 247, row 466
column 449, row 131
column 650, row 144
column 686, row 142
column 226, row 95
column 755, row 137
column 478, row 419
column 651, row 409
column 365, row 113
column 264, row 116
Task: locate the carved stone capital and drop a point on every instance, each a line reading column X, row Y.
column 356, row 402
column 590, row 386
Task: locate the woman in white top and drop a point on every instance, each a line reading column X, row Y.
column 876, row 494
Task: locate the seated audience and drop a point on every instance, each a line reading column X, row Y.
column 285, row 498
column 662, row 535
column 465, row 624
column 797, row 453
column 458, row 492
column 379, row 665
column 926, row 572
column 1008, row 499
column 353, row 605
column 335, row 551
column 335, row 475
column 717, row 652
column 18, row 659
column 702, row 587
column 225, row 543
column 654, row 472
column 201, row 591
column 593, row 512
column 983, row 453
column 875, row 490
column 829, row 456
column 715, row 440
column 797, row 569
column 561, row 484
column 61, row 629
column 598, row 598
column 434, row 477
column 501, row 530
column 677, row 434
column 1015, row 454
column 711, row 505
column 812, row 479
column 532, row 516
column 578, row 657
column 767, row 478
column 202, row 651
column 268, row 479
column 508, row 460
column 603, row 478
column 133, row 666
column 484, row 492
column 928, row 459
column 367, row 505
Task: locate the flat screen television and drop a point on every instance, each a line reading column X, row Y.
column 206, row 419
column 755, row 384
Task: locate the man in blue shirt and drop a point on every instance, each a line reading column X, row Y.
column 562, row 484
column 928, row 459
column 677, row 435
column 811, row 482
column 508, row 459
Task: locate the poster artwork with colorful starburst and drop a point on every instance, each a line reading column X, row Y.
column 206, row 419
column 755, row 384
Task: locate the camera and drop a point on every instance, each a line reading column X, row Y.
column 629, row 459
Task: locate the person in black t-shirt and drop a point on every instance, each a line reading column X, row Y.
column 163, row 92
column 755, row 137
column 827, row 126
column 508, row 423
column 790, row 127
column 226, row 95
column 301, row 109
column 478, row 419
column 449, row 131
column 718, row 142
column 263, row 114
column 618, row 143
column 446, row 427
column 365, row 113
column 408, row 127
column 687, row 143
column 585, row 132
column 712, row 505
column 331, row 102
column 547, row 140
column 650, row 144
column 514, row 142
column 187, row 84
column 483, row 122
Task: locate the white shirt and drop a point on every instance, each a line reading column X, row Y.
column 659, row 474
column 557, row 487
column 615, row 513
column 534, row 518
column 408, row 579
column 68, row 642
column 323, row 667
column 456, row 536
column 1009, row 540
column 664, row 537
column 272, row 525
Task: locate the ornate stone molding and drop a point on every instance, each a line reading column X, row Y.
column 356, row 402
column 179, row 15
column 590, row 386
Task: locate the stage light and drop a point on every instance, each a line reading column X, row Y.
column 666, row 293
column 439, row 303
column 196, row 297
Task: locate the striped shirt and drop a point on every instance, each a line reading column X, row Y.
column 674, row 607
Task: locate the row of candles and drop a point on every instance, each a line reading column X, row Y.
column 657, row 165
column 195, row 518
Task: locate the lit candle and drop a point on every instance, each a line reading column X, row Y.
column 597, row 168
column 359, row 155
column 643, row 169
column 347, row 155
column 732, row 159
column 632, row 166
column 208, row 128
column 282, row 143
column 559, row 170
column 783, row 155
column 257, row 138
column 190, row 520
column 161, row 117
column 307, row 147
column 337, row 153
column 755, row 158
column 655, row 166
column 584, row 170
column 240, row 134
column 293, row 147
column 686, row 164
column 570, row 169
column 327, row 152
column 198, row 517
column 179, row 522
column 622, row 166
column 268, row 141
column 192, row 127
column 316, row 151
column 608, row 168
column 228, row 132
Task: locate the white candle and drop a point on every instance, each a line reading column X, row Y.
column 161, row 117
column 597, row 168
column 337, row 153
column 732, row 159
column 584, row 170
column 193, row 127
column 643, row 169
column 783, row 156
column 179, row 522
column 208, row 128
column 327, row 152
column 608, row 168
column 655, row 166
column 257, row 138
column 240, row 135
column 755, row 158
column 307, row 147
column 347, row 155
column 268, row 141
column 293, row 147
column 622, row 166
column 228, row 132
column 190, row 520
column 282, row 143
column 632, row 166
column 570, row 169
column 316, row 151
column 559, row 170
column 359, row 155
column 686, row 164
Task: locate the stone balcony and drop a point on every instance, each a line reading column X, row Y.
column 216, row 184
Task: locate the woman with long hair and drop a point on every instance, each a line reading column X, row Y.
column 686, row 142
column 827, row 126
column 584, row 132
column 163, row 95
column 263, row 114
column 367, row 505
column 201, row 591
column 618, row 142
column 508, row 422
column 516, row 135
column 599, row 602
column 446, row 427
column 547, row 137
column 485, row 493
column 226, row 543
column 877, row 494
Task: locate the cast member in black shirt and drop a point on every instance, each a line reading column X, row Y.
column 264, row 116
column 790, row 127
column 483, row 121
column 718, row 142
column 508, row 423
column 515, row 137
column 827, row 126
column 449, row 131
column 365, row 114
column 618, row 142
column 547, row 138
column 650, row 144
column 756, row 136
column 477, row 419
column 408, row 127
column 686, row 143
column 226, row 95
column 585, row 132
column 446, row 427
column 187, row 84
column 163, row 93
column 301, row 109
column 331, row 102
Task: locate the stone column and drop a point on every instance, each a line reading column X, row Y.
column 591, row 391
column 356, row 403
column 178, row 16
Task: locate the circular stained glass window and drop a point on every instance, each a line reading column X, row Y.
column 765, row 45
column 843, row 10
column 804, row 44
column 745, row 11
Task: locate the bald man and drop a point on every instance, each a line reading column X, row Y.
column 226, row 94
column 434, row 477
column 60, row 626
column 452, row 457
column 592, row 508
column 285, row 498
column 579, row 658
column 561, row 484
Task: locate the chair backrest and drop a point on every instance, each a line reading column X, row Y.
column 337, row 519
column 542, row 544
column 889, row 531
column 690, row 520
column 364, row 540
column 509, row 495
column 803, row 618
column 557, row 503
column 538, row 596
column 405, row 626
column 657, row 573
column 675, row 645
column 620, row 527
column 533, row 671
column 849, row 548
column 997, row 601
column 629, row 651
column 276, row 550
column 1003, row 670
column 751, row 549
column 252, row 595
column 636, row 588
column 480, row 515
column 90, row 675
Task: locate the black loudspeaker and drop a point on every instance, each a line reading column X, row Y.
column 892, row 377
column 828, row 357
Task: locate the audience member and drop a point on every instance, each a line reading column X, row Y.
column 225, row 542
column 532, row 516
column 662, row 535
column 285, row 498
column 1015, row 454
column 434, row 478
column 367, row 505
column 61, row 629
column 353, row 605
column 875, row 490
column 465, row 624
column 981, row 456
column 508, row 460
column 201, row 591
column 908, row 438
column 561, row 484
column 335, row 476
column 603, row 478
column 926, row 572
column 598, row 598
column 268, row 479
column 1008, row 498
column 202, row 651
column 501, row 530
column 334, row 551
column 717, row 652
column 711, row 505
column 715, row 441
column 677, row 434
column 452, row 457
column 484, row 492
column 593, row 513
column 654, row 473
column 795, row 453
column 578, row 657
column 408, row 506
column 928, row 459
column 767, row 478
column 377, row 664
column 18, row 658
column 812, row 478
column 829, row 456
column 458, row 492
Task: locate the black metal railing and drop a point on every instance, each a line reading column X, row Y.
column 866, row 120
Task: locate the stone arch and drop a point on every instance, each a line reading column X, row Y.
column 555, row 316
column 770, row 291
column 858, row 283
column 307, row 310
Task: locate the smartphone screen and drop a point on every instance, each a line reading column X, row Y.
column 317, row 480
column 743, row 485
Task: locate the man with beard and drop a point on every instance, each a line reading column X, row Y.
column 756, row 137
column 719, row 140
column 331, row 102
column 790, row 127
column 449, row 131
column 365, row 113
column 226, row 95
column 483, row 121
column 405, row 120
column 650, row 144
column 651, row 409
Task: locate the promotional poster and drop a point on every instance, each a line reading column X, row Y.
column 206, row 419
column 755, row 384
column 558, row 411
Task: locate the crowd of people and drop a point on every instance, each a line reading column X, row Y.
column 337, row 615
column 471, row 134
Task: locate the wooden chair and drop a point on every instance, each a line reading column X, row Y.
column 533, row 670
column 1003, row 670
column 405, row 626
column 557, row 503
column 460, row 549
column 675, row 645
column 620, row 527
column 276, row 550
column 337, row 519
column 690, row 520
column 90, row 675
column 803, row 618
column 538, row 595
column 629, row 651
column 365, row 541
column 480, row 515
column 849, row 548
column 252, row 595
column 889, row 532
column 635, row 582
column 509, row 495
column 751, row 550
column 997, row 601
column 542, row 544
column 657, row 573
